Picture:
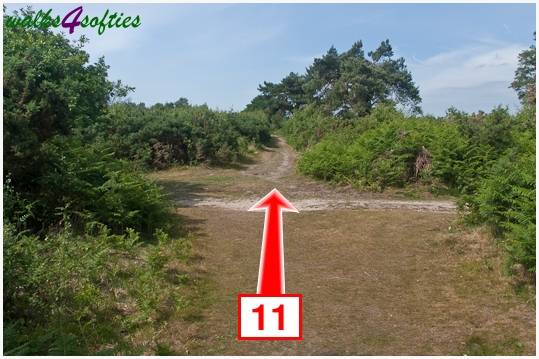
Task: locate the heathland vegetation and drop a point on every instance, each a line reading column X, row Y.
column 357, row 121
column 91, row 244
column 89, row 241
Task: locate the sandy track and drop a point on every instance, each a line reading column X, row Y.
column 315, row 204
column 276, row 167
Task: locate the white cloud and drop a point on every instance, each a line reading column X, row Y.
column 456, row 78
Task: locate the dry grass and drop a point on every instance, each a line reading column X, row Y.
column 367, row 290
column 382, row 282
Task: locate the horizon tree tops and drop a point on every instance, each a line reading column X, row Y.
column 343, row 84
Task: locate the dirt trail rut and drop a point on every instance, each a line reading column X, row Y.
column 379, row 275
column 276, row 167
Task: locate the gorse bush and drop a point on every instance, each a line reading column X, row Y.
column 166, row 134
column 54, row 101
column 87, row 252
column 50, row 89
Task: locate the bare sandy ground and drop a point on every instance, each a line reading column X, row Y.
column 315, row 204
column 275, row 167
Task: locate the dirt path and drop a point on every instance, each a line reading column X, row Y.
column 379, row 275
column 275, row 167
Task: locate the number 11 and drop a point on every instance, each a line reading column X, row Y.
column 260, row 311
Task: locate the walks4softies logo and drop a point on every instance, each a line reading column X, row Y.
column 73, row 19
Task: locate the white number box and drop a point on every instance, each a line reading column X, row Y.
column 262, row 317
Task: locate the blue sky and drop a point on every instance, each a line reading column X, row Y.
column 461, row 55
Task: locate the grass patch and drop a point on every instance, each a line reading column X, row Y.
column 477, row 345
column 83, row 294
column 217, row 180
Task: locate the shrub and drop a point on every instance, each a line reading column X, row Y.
column 488, row 159
column 387, row 154
column 69, row 294
column 309, row 126
column 506, row 200
column 328, row 160
column 163, row 135
column 51, row 89
column 85, row 184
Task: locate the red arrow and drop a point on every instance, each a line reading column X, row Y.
column 271, row 270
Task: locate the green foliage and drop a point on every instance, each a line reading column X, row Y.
column 72, row 295
column 54, row 99
column 50, row 280
column 309, row 126
column 279, row 100
column 76, row 276
column 166, row 134
column 378, row 157
column 87, row 182
column 84, row 185
column 506, row 199
column 49, row 89
column 525, row 76
column 342, row 85
column 456, row 151
column 488, row 159
column 339, row 112
column 328, row 160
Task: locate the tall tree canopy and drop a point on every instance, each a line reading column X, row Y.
column 524, row 82
column 344, row 84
